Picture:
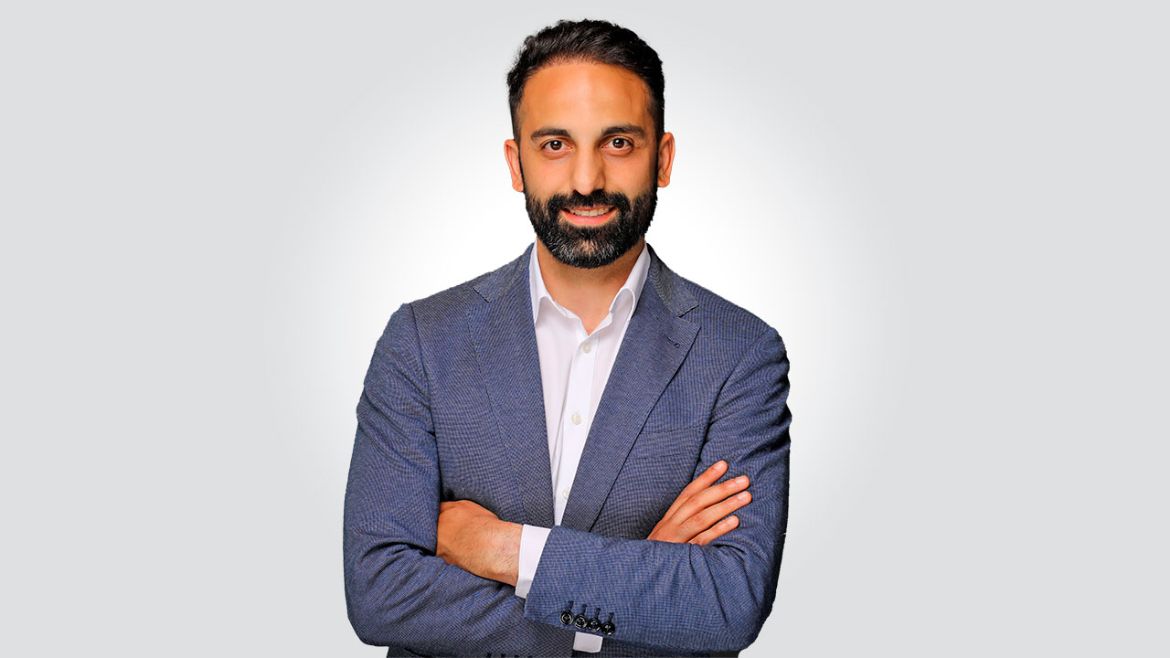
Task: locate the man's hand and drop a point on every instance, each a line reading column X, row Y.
column 700, row 512
column 477, row 541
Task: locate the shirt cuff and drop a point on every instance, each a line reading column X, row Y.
column 587, row 643
column 532, row 539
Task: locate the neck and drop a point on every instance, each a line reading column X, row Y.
column 587, row 292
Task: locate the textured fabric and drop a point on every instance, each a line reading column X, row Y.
column 574, row 368
column 452, row 409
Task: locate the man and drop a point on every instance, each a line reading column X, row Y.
column 546, row 456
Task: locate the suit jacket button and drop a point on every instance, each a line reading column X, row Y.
column 566, row 617
column 580, row 621
column 608, row 628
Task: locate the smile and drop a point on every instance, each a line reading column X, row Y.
column 589, row 215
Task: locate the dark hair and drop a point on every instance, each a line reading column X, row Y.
column 588, row 41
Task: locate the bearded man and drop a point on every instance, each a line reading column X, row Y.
column 581, row 452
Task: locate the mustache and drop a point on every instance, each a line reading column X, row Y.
column 618, row 200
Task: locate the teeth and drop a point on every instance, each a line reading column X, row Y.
column 590, row 213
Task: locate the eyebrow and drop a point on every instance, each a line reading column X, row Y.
column 548, row 132
column 627, row 128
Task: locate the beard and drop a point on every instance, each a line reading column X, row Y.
column 591, row 246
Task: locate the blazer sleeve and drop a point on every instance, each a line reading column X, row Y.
column 397, row 592
column 685, row 597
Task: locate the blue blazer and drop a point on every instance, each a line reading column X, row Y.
column 453, row 408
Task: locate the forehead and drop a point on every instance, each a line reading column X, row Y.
column 584, row 93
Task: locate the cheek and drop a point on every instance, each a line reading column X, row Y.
column 630, row 176
column 540, row 175
column 543, row 176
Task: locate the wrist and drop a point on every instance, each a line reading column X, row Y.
column 506, row 551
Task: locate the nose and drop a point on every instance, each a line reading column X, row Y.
column 588, row 172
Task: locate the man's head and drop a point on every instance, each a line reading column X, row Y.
column 588, row 148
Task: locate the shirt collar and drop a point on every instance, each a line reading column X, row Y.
column 633, row 285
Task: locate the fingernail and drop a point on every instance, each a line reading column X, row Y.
column 719, row 465
column 741, row 479
column 743, row 495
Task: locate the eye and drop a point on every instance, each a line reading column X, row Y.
column 554, row 145
column 622, row 145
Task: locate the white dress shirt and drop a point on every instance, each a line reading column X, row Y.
column 574, row 367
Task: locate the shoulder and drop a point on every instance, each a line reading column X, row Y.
column 720, row 320
column 442, row 310
column 475, row 291
column 734, row 342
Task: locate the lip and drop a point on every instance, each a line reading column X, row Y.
column 588, row 221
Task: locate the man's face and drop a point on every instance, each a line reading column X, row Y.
column 587, row 160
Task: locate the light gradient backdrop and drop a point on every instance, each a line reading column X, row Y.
column 954, row 213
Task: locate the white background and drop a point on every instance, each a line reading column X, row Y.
column 954, row 213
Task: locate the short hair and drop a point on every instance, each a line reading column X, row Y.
column 588, row 41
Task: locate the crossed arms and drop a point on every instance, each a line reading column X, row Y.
column 685, row 597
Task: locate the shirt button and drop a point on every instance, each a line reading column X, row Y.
column 576, row 418
column 587, row 348
column 565, row 494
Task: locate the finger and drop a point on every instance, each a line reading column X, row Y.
column 709, row 497
column 712, row 514
column 705, row 479
column 714, row 532
column 688, row 527
column 718, row 492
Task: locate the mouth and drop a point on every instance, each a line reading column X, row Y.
column 588, row 215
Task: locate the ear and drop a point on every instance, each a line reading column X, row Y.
column 665, row 158
column 512, row 155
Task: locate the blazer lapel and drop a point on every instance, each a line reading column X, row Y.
column 505, row 347
column 656, row 342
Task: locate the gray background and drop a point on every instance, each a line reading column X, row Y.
column 954, row 213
